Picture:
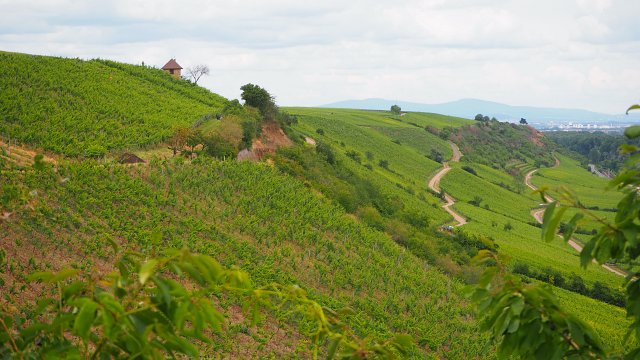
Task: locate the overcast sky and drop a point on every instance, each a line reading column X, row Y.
column 558, row 53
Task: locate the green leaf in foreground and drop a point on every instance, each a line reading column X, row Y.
column 632, row 132
column 147, row 270
column 551, row 221
column 83, row 321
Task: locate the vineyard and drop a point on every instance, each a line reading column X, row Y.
column 342, row 213
column 489, row 186
column 254, row 217
column 87, row 108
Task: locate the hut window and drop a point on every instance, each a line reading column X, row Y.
column 171, row 71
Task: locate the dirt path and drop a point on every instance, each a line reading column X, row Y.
column 434, row 184
column 539, row 213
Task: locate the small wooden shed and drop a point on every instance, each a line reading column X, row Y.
column 173, row 68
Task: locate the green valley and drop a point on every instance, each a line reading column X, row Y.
column 333, row 201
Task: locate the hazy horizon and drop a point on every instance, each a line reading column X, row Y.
column 581, row 54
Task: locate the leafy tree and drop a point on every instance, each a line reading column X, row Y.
column 384, row 164
column 233, row 107
column 395, row 109
column 478, row 117
column 179, row 139
column 254, row 95
column 594, row 155
column 287, row 119
column 194, row 139
column 523, row 121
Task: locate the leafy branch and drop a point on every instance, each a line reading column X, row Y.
column 162, row 307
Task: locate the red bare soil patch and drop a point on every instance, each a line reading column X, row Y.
column 271, row 138
column 536, row 137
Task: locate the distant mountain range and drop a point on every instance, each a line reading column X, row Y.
column 468, row 108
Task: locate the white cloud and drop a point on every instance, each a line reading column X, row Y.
column 556, row 53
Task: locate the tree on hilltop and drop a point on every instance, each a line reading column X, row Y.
column 254, row 95
column 196, row 72
column 395, row 109
column 523, row 121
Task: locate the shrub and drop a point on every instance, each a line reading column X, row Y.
column 354, row 155
column 436, row 155
column 218, row 147
column 369, row 155
column 475, row 201
column 470, row 170
column 326, row 152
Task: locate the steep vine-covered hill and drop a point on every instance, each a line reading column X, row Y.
column 500, row 144
column 343, row 211
column 490, row 192
column 81, row 108
column 243, row 214
column 252, row 215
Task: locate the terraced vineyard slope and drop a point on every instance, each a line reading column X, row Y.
column 87, row 108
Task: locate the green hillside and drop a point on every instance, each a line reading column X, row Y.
column 241, row 213
column 342, row 208
column 84, row 108
column 500, row 156
column 254, row 217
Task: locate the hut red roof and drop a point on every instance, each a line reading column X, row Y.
column 171, row 65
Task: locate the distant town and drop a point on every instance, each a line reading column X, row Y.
column 612, row 127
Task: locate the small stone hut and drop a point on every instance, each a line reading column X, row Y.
column 173, row 68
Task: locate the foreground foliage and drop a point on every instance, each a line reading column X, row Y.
column 519, row 316
column 162, row 307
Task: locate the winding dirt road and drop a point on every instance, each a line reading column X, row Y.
column 434, row 184
column 539, row 213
